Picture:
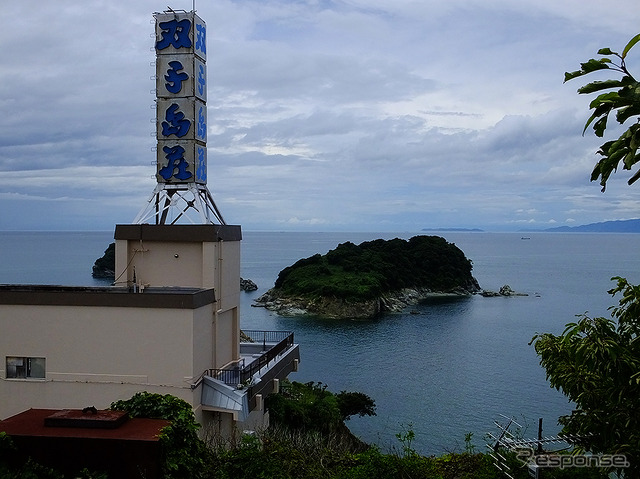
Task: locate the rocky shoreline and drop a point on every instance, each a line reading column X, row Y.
column 335, row 308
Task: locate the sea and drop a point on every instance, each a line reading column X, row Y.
column 441, row 369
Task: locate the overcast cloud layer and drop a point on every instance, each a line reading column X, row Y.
column 359, row 115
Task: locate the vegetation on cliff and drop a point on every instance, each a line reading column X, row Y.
column 312, row 407
column 366, row 271
column 306, row 445
column 105, row 266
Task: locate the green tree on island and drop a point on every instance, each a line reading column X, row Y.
column 595, row 362
column 367, row 270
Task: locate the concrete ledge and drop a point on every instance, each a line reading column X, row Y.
column 283, row 366
column 179, row 233
column 46, row 295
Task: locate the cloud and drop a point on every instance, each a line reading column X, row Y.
column 322, row 115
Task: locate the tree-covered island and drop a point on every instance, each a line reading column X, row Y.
column 362, row 281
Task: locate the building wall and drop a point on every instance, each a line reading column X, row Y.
column 165, row 264
column 201, row 256
column 185, row 264
column 227, row 338
column 96, row 355
column 224, row 277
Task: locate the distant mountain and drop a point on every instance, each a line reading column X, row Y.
column 620, row 226
column 451, row 229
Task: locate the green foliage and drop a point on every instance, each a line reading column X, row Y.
column 624, row 100
column 246, row 459
column 28, row 470
column 7, row 448
column 13, row 466
column 374, row 267
column 277, row 454
column 105, row 266
column 406, row 438
column 312, row 407
column 184, row 454
column 595, row 362
column 283, row 454
column 87, row 474
column 373, row 464
column 157, row 406
column 352, row 403
column 469, row 448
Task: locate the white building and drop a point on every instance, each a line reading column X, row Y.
column 176, row 330
column 171, row 322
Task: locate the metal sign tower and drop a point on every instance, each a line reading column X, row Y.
column 181, row 123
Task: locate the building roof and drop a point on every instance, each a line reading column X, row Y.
column 179, row 233
column 32, row 423
column 152, row 297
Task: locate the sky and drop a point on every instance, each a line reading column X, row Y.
column 323, row 115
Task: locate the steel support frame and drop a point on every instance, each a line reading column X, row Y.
column 183, row 201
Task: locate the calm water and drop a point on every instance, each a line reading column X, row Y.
column 449, row 370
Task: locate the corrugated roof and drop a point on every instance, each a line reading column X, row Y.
column 218, row 395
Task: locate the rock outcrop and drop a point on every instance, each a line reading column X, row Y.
column 337, row 308
column 247, row 285
column 504, row 291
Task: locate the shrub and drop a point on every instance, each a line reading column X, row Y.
column 309, row 407
column 184, row 454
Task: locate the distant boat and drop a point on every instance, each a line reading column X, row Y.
column 525, row 237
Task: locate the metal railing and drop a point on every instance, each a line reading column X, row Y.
column 255, row 336
column 274, row 343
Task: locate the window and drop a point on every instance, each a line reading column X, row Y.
column 23, row 368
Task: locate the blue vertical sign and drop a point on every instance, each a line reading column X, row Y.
column 181, row 91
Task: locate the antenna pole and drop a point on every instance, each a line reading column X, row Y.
column 540, row 435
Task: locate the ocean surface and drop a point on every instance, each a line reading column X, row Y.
column 451, row 369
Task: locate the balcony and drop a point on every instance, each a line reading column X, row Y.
column 264, row 356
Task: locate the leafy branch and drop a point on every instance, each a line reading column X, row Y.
column 625, row 102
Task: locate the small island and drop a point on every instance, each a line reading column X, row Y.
column 362, row 281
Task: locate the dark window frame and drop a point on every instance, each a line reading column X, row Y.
column 25, row 367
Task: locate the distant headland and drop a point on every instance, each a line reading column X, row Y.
column 620, row 226
column 615, row 226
